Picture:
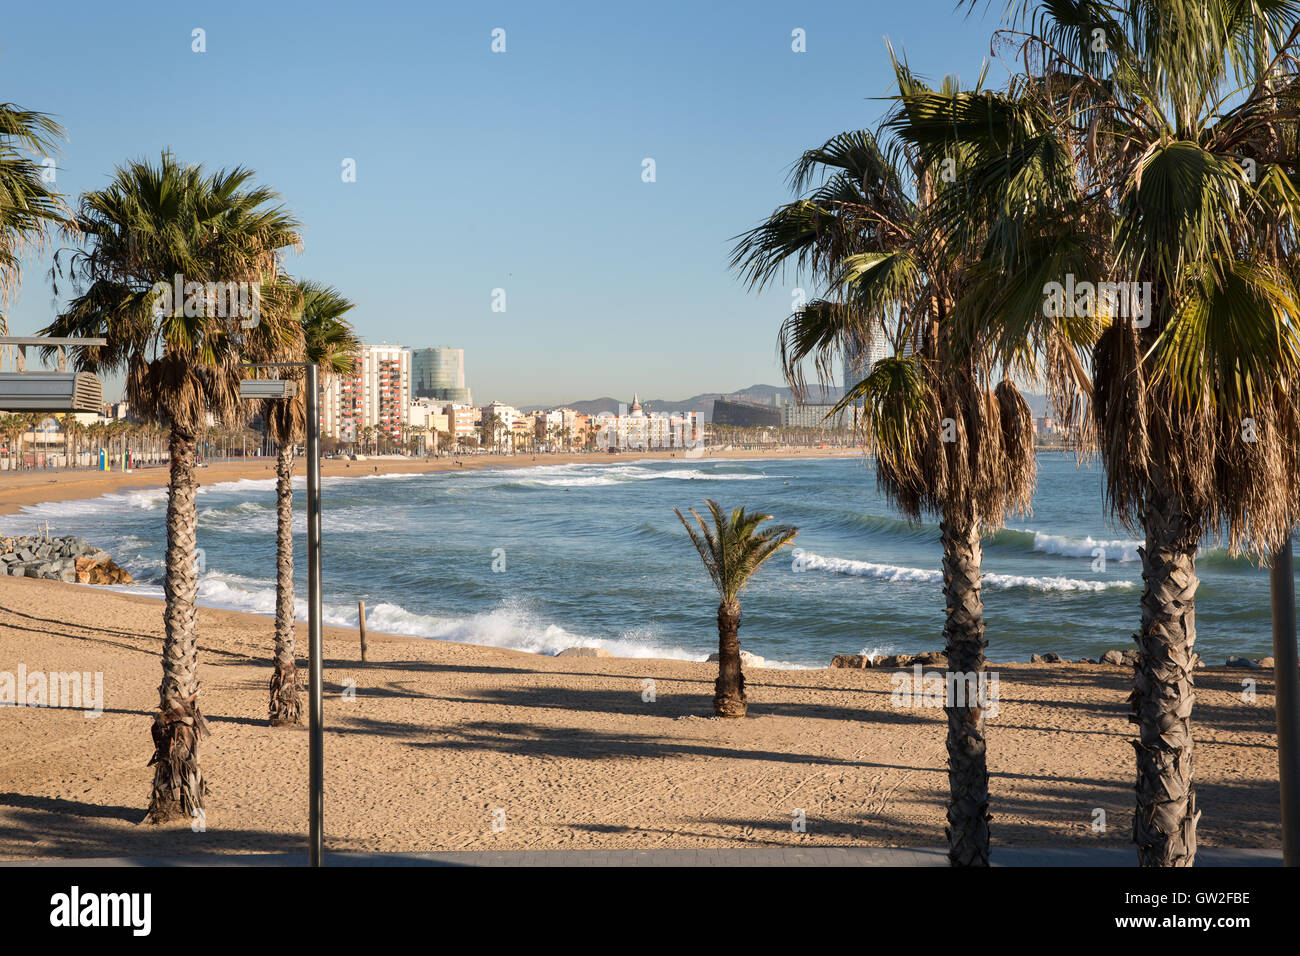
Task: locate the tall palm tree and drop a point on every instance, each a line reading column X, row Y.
column 328, row 341
column 952, row 435
column 1176, row 142
column 29, row 208
column 154, row 221
column 732, row 550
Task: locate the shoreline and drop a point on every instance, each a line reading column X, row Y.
column 26, row 488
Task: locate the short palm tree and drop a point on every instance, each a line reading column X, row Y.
column 1176, row 140
column 329, row 342
column 154, row 221
column 732, row 550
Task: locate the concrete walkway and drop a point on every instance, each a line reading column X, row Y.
column 809, row 856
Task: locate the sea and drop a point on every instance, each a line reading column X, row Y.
column 548, row 557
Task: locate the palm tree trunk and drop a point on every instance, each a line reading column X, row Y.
column 729, row 689
column 178, row 727
column 285, row 707
column 1164, row 827
column 963, row 631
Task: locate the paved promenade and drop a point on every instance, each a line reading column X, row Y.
column 811, row 856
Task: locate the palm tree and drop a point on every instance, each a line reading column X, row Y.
column 28, row 207
column 1174, row 148
column 152, row 222
column 952, row 435
column 328, row 341
column 732, row 550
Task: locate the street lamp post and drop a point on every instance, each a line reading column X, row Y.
column 275, row 388
column 1287, row 699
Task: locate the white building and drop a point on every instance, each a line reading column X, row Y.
column 635, row 430
column 506, row 419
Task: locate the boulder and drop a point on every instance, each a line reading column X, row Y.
column 1235, row 661
column 895, row 661
column 746, row 659
column 1267, row 662
column 584, row 652
column 932, row 659
column 1131, row 657
column 1112, row 657
column 853, row 661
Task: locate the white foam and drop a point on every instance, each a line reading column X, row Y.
column 1086, row 547
column 894, row 574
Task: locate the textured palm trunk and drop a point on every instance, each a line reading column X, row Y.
column 1164, row 826
column 178, row 727
column 963, row 631
column 284, row 707
column 729, row 689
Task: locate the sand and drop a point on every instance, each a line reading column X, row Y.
column 431, row 743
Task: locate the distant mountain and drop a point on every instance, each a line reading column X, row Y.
column 758, row 394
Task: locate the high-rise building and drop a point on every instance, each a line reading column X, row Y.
column 376, row 395
column 858, row 361
column 440, row 374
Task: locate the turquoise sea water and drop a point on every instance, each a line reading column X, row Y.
column 593, row 554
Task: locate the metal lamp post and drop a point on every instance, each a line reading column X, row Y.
column 1287, row 699
column 276, row 388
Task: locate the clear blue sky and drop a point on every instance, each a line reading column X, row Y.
column 478, row 171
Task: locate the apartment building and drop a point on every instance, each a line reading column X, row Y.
column 376, row 395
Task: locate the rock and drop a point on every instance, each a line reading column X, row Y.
column 1036, row 659
column 895, row 661
column 62, row 559
column 1131, row 657
column 1086, row 660
column 932, row 659
column 1235, row 661
column 746, row 659
column 853, row 661
column 1053, row 658
column 1267, row 662
column 578, row 651
column 1112, row 657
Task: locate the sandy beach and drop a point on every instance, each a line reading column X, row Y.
column 438, row 736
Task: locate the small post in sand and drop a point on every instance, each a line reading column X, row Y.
column 361, row 619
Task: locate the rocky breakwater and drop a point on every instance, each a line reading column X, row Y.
column 60, row 559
